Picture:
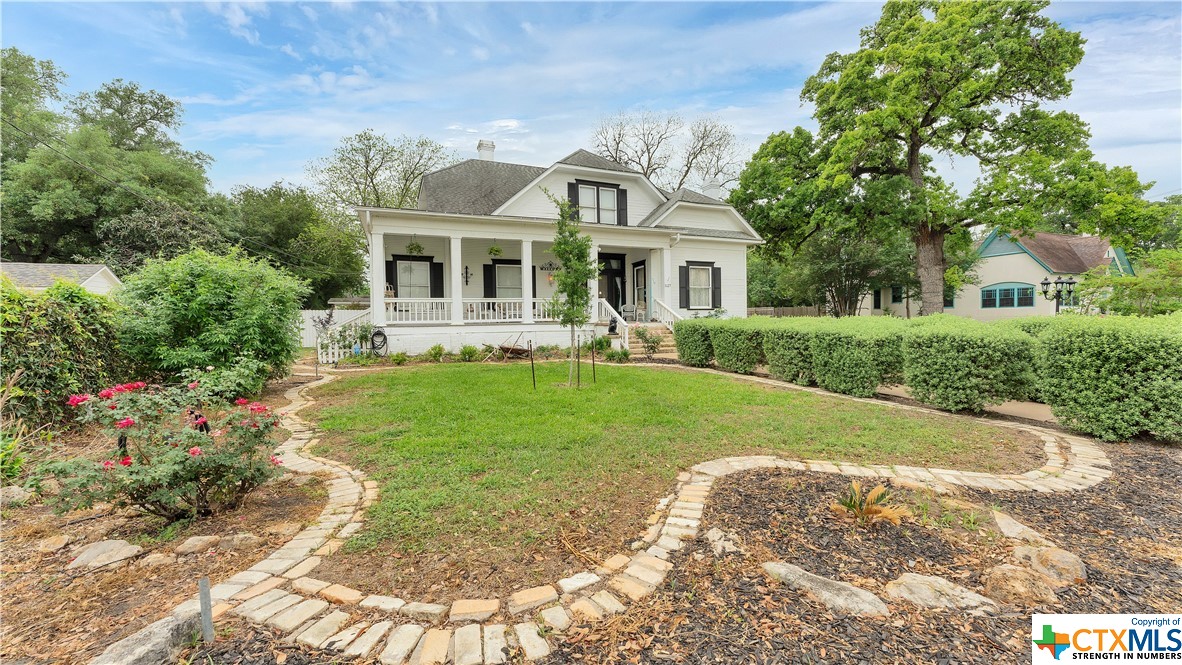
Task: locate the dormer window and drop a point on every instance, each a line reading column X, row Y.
column 599, row 202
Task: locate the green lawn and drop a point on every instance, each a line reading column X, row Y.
column 469, row 454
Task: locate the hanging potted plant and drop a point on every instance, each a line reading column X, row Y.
column 495, row 250
column 413, row 247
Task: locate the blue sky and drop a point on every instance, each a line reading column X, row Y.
column 267, row 87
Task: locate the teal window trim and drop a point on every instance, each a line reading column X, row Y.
column 1008, row 295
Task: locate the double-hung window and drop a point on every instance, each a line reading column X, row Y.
column 598, row 205
column 896, row 295
column 700, row 287
column 508, row 281
column 414, row 279
column 1010, row 295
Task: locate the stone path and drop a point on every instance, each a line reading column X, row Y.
column 282, row 592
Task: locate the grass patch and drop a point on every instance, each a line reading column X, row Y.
column 470, row 454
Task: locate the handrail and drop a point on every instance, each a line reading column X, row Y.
column 612, row 313
column 666, row 314
column 330, row 350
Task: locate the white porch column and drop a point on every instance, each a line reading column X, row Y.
column 667, row 290
column 457, row 282
column 593, row 285
column 527, row 281
column 377, row 278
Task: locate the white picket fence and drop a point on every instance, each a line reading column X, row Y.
column 345, row 336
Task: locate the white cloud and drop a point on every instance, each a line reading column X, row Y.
column 239, row 18
column 288, row 50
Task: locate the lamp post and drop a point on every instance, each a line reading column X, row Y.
column 1064, row 288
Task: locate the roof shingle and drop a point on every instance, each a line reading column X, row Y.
column 1067, row 253
column 475, row 186
column 43, row 275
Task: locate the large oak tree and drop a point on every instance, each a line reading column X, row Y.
column 968, row 81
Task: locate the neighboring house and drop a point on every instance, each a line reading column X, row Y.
column 94, row 277
column 433, row 278
column 1009, row 276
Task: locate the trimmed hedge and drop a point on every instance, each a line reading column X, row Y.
column 1114, row 377
column 856, row 355
column 738, row 343
column 787, row 345
column 960, row 364
column 1031, row 325
column 692, row 338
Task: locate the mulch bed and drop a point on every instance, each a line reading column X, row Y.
column 1127, row 530
column 253, row 645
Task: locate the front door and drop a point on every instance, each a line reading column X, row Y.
column 611, row 280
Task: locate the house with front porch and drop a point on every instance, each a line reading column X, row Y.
column 472, row 262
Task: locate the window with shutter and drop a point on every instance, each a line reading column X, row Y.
column 599, row 203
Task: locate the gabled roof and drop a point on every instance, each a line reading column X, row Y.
column 43, row 275
column 474, row 186
column 1066, row 254
column 591, row 160
column 683, row 194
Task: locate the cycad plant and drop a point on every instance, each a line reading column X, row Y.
column 868, row 507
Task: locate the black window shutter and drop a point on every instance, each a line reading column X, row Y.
column 490, row 281
column 436, row 280
column 390, row 275
column 533, row 281
column 716, row 288
column 572, row 194
column 622, row 207
column 683, row 286
column 877, row 298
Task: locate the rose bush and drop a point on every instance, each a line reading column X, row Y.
column 177, row 452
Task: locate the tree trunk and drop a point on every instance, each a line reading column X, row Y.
column 929, row 265
column 570, row 375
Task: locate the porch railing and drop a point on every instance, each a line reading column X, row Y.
column 607, row 313
column 665, row 314
column 418, row 310
column 493, row 309
column 339, row 340
column 544, row 310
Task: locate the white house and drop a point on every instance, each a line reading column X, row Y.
column 1010, row 274
column 36, row 277
column 471, row 264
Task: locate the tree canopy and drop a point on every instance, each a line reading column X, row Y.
column 667, row 150
column 368, row 169
column 967, row 80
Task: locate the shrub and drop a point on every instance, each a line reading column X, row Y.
column 1114, row 377
column 617, row 355
column 63, row 340
column 185, row 453
column 960, row 364
column 400, row 358
column 855, row 355
column 547, row 351
column 692, row 337
column 469, row 353
column 650, row 341
column 233, row 313
column 1031, row 325
column 436, row 353
column 787, row 345
column 738, row 343
column 600, row 344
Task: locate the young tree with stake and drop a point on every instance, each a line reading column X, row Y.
column 571, row 303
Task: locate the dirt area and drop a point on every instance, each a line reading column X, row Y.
column 56, row 616
column 591, row 535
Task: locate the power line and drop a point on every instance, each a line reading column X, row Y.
column 325, row 270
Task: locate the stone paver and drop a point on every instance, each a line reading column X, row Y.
column 294, row 617
column 629, row 587
column 384, row 603
column 323, row 629
column 473, row 610
column 531, row 598
column 264, row 612
column 303, row 568
column 608, row 602
column 341, row 595
column 556, row 617
column 309, row 586
column 467, row 646
column 532, row 643
column 369, row 640
column 578, row 581
column 260, row 588
column 434, row 647
column 495, row 645
column 838, row 596
column 424, row 611
column 401, row 644
column 344, row 638
column 587, row 609
column 197, row 544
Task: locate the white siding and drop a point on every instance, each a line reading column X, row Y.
column 730, row 258
column 702, row 217
column 534, row 202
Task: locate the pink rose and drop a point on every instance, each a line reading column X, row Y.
column 195, row 451
column 108, row 465
column 276, row 461
column 75, row 400
column 242, row 401
column 193, row 386
column 125, row 423
column 200, row 421
column 257, row 407
column 126, row 461
column 107, row 393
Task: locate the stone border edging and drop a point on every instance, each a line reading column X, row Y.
column 349, row 495
column 304, row 613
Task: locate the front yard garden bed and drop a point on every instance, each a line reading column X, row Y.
column 489, row 486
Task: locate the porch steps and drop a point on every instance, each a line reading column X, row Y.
column 636, row 347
